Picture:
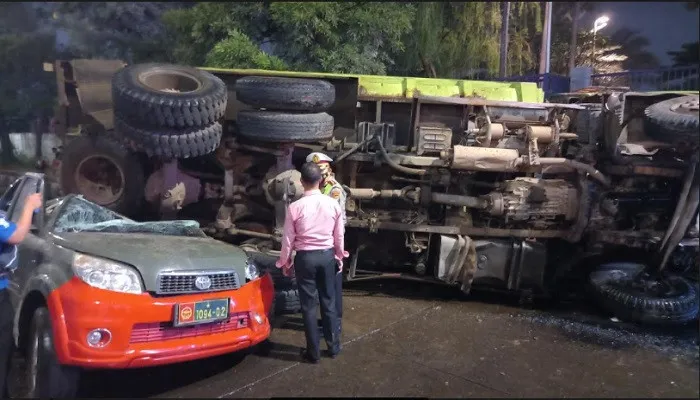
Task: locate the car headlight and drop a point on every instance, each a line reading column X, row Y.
column 106, row 274
column 251, row 271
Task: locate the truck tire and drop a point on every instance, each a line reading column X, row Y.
column 287, row 302
column 44, row 376
column 168, row 96
column 90, row 159
column 285, row 94
column 632, row 295
column 272, row 126
column 673, row 119
column 286, row 293
column 171, row 143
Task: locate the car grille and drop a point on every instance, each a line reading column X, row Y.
column 160, row 331
column 184, row 282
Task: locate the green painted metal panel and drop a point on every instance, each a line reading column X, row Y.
column 409, row 87
column 381, row 86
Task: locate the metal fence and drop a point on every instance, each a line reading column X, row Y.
column 550, row 83
column 667, row 78
column 670, row 78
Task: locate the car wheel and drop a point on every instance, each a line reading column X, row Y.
column 285, row 94
column 272, row 126
column 44, row 376
column 632, row 294
column 168, row 96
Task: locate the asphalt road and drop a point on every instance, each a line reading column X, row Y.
column 438, row 345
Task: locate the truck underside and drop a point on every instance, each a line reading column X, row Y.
column 460, row 189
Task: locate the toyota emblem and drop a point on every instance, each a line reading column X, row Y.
column 202, row 282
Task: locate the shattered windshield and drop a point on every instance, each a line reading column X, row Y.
column 80, row 215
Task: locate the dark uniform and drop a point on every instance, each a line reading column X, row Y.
column 332, row 188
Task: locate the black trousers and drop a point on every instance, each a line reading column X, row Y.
column 6, row 340
column 338, row 304
column 316, row 272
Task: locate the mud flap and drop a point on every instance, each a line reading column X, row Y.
column 457, row 261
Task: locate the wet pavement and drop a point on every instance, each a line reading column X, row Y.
column 436, row 344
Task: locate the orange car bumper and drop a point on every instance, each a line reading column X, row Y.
column 141, row 328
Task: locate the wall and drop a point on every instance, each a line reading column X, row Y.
column 24, row 144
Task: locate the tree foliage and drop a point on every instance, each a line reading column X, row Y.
column 451, row 40
column 238, row 51
column 635, row 48
column 314, row 36
column 525, row 27
column 130, row 31
column 688, row 55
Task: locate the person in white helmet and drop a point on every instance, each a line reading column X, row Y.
column 331, row 187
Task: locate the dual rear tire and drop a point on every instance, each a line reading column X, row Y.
column 169, row 111
column 286, row 110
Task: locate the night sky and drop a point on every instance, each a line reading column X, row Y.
column 667, row 25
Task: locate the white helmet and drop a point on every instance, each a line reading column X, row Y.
column 318, row 158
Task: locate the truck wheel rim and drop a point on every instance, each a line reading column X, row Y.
column 687, row 107
column 170, row 81
column 100, row 179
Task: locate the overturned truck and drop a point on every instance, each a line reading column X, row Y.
column 451, row 182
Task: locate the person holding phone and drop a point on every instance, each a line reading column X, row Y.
column 314, row 228
column 11, row 234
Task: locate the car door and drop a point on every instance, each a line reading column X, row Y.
column 31, row 252
column 7, row 202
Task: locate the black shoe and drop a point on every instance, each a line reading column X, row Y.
column 333, row 354
column 305, row 356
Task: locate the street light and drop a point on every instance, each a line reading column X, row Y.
column 598, row 24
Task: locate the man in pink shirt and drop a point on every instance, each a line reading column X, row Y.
column 314, row 228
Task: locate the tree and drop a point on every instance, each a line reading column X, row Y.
column 634, row 46
column 452, row 40
column 195, row 31
column 689, row 55
column 566, row 34
column 503, row 56
column 128, row 31
column 353, row 37
column 26, row 91
column 238, row 51
column 525, row 28
column 608, row 56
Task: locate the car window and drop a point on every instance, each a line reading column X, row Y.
column 6, row 199
column 80, row 215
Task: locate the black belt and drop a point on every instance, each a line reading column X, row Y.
column 314, row 251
